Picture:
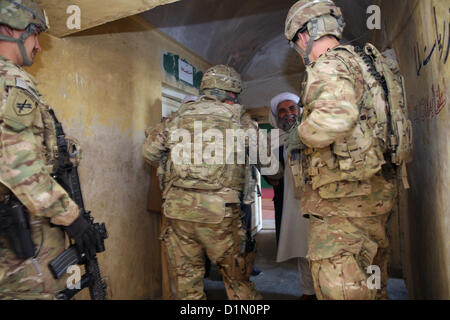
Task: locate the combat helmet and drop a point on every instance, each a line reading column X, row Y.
column 319, row 17
column 222, row 77
column 23, row 15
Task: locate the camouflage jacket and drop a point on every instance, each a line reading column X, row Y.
column 333, row 95
column 28, row 147
column 194, row 203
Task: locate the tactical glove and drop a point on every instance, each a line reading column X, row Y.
column 85, row 236
column 293, row 141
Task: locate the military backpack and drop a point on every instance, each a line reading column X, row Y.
column 199, row 157
column 393, row 125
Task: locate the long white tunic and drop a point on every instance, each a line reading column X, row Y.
column 294, row 229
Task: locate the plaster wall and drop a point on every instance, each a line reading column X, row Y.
column 105, row 86
column 419, row 31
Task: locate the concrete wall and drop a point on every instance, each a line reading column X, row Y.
column 105, row 86
column 421, row 40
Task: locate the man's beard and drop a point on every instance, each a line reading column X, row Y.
column 287, row 122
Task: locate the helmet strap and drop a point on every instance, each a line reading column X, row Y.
column 304, row 53
column 31, row 29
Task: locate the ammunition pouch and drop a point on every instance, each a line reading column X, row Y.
column 345, row 189
column 339, row 174
column 360, row 156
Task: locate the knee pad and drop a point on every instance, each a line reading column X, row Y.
column 341, row 278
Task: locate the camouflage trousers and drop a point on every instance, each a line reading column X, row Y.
column 20, row 280
column 186, row 244
column 340, row 251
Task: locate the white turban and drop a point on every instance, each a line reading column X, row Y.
column 280, row 98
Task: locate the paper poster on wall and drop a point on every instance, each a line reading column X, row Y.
column 175, row 66
column 185, row 72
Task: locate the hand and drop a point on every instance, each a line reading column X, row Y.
column 293, row 141
column 85, row 236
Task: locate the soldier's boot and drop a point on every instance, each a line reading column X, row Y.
column 241, row 290
column 340, row 278
column 236, row 272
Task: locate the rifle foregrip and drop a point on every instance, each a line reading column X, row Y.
column 61, row 263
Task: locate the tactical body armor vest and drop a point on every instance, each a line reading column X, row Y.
column 189, row 163
column 345, row 168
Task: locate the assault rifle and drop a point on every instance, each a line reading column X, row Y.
column 66, row 175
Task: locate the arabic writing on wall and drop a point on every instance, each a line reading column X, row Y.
column 427, row 109
column 438, row 49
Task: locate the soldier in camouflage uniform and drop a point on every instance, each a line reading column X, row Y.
column 345, row 192
column 201, row 198
column 28, row 150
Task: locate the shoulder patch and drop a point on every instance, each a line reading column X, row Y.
column 19, row 108
column 18, row 112
column 21, row 102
